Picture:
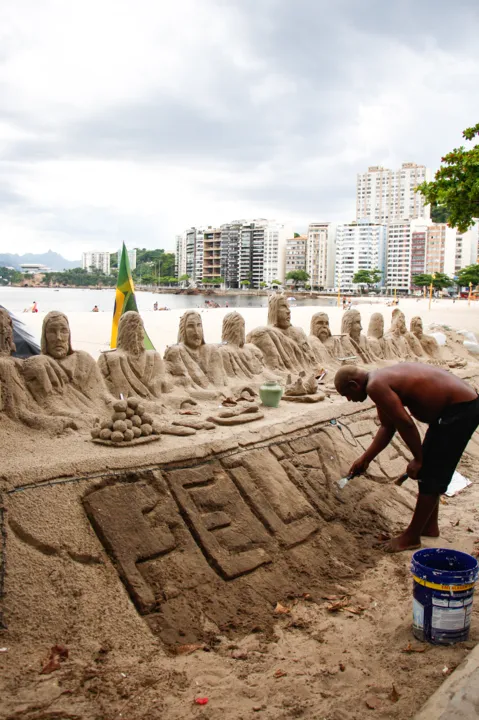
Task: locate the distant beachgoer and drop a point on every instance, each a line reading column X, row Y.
column 34, row 307
column 95, row 309
column 155, row 306
column 226, row 305
column 344, row 303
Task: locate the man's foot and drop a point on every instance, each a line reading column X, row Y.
column 401, row 543
column 431, row 530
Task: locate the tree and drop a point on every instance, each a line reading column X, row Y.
column 456, row 184
column 439, row 281
column 297, row 235
column 184, row 278
column 246, row 283
column 276, row 282
column 297, row 276
column 469, row 274
column 263, row 284
column 439, row 214
column 367, row 277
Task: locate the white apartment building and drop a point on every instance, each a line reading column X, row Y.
column 321, row 254
column 462, row 251
column 274, row 263
column 296, row 248
column 131, row 257
column 96, row 261
column 385, row 196
column 180, row 255
column 359, row 246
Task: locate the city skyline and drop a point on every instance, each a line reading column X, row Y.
column 133, row 121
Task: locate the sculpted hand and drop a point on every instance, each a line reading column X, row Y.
column 413, row 469
column 359, row 466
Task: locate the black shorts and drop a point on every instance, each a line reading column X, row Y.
column 445, row 441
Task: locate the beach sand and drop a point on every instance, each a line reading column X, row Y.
column 91, row 331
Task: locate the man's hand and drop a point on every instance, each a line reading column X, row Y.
column 359, row 466
column 413, row 468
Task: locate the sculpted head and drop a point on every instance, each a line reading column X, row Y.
column 320, row 326
column 131, row 333
column 416, row 327
column 351, row 324
column 398, row 322
column 279, row 313
column 351, row 383
column 233, row 331
column 190, row 332
column 56, row 337
column 376, row 326
column 7, row 346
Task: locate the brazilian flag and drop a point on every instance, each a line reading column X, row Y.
column 125, row 299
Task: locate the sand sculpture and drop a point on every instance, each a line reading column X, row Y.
column 62, row 380
column 428, row 343
column 353, row 342
column 304, row 389
column 381, row 346
column 284, row 347
column 15, row 400
column 240, row 359
column 405, row 348
column 130, row 369
column 192, row 362
column 130, row 424
column 326, row 348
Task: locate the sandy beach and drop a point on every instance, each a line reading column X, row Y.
column 91, row 331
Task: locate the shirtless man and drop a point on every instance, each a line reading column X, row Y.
column 433, row 396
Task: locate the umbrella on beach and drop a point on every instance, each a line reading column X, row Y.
column 25, row 344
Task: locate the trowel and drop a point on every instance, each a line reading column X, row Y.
column 344, row 481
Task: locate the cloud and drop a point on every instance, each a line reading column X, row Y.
column 131, row 121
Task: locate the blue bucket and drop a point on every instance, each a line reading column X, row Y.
column 443, row 591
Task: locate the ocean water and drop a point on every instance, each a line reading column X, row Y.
column 70, row 300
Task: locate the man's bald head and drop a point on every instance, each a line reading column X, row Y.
column 350, row 382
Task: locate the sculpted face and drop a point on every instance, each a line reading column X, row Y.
column 321, row 327
column 284, row 315
column 417, row 328
column 401, row 324
column 194, row 332
column 6, row 334
column 376, row 326
column 356, row 327
column 57, row 335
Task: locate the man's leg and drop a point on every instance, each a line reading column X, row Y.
column 431, row 528
column 410, row 539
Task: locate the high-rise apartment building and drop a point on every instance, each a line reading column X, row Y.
column 359, row 246
column 296, row 248
column 180, row 255
column 385, row 196
column 211, row 253
column 321, row 254
column 96, row 261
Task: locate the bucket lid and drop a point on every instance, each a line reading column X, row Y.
column 445, row 566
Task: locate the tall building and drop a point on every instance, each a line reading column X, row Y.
column 359, row 246
column 296, row 248
column 321, row 254
column 131, row 257
column 180, row 255
column 384, row 196
column 440, row 237
column 96, row 261
column 211, row 253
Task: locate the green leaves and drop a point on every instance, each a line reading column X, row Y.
column 367, row 277
column 469, row 274
column 297, row 276
column 440, row 281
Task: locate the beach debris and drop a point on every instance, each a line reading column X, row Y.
column 187, row 649
column 279, row 673
column 281, row 609
column 414, row 648
column 394, row 695
column 129, row 423
column 338, row 605
column 4, row 649
column 457, row 484
column 383, row 537
column 373, row 703
column 201, row 701
column 58, row 654
column 342, row 667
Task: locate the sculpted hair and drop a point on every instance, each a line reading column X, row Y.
column 376, row 325
column 274, row 303
column 416, row 320
column 349, row 317
column 127, row 325
column 54, row 315
column 6, row 315
column 233, row 329
column 315, row 320
column 182, row 329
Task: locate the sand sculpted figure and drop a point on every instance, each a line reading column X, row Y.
column 130, row 369
column 15, row 400
column 352, row 340
column 381, row 346
column 192, row 362
column 428, row 343
column 406, row 345
column 326, row 348
column 284, row 347
column 240, row 359
column 62, row 380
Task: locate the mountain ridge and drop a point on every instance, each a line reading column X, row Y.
column 50, row 259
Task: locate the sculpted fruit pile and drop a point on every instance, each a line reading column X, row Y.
column 129, row 422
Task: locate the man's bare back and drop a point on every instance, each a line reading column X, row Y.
column 425, row 390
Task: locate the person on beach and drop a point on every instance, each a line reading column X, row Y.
column 34, row 307
column 434, row 396
column 95, row 309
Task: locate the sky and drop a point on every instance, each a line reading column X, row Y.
column 126, row 120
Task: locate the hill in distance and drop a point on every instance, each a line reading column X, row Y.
column 50, row 259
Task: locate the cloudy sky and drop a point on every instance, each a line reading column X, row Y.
column 134, row 119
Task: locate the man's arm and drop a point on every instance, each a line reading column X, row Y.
column 381, row 440
column 391, row 408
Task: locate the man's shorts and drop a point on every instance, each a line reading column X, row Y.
column 444, row 443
